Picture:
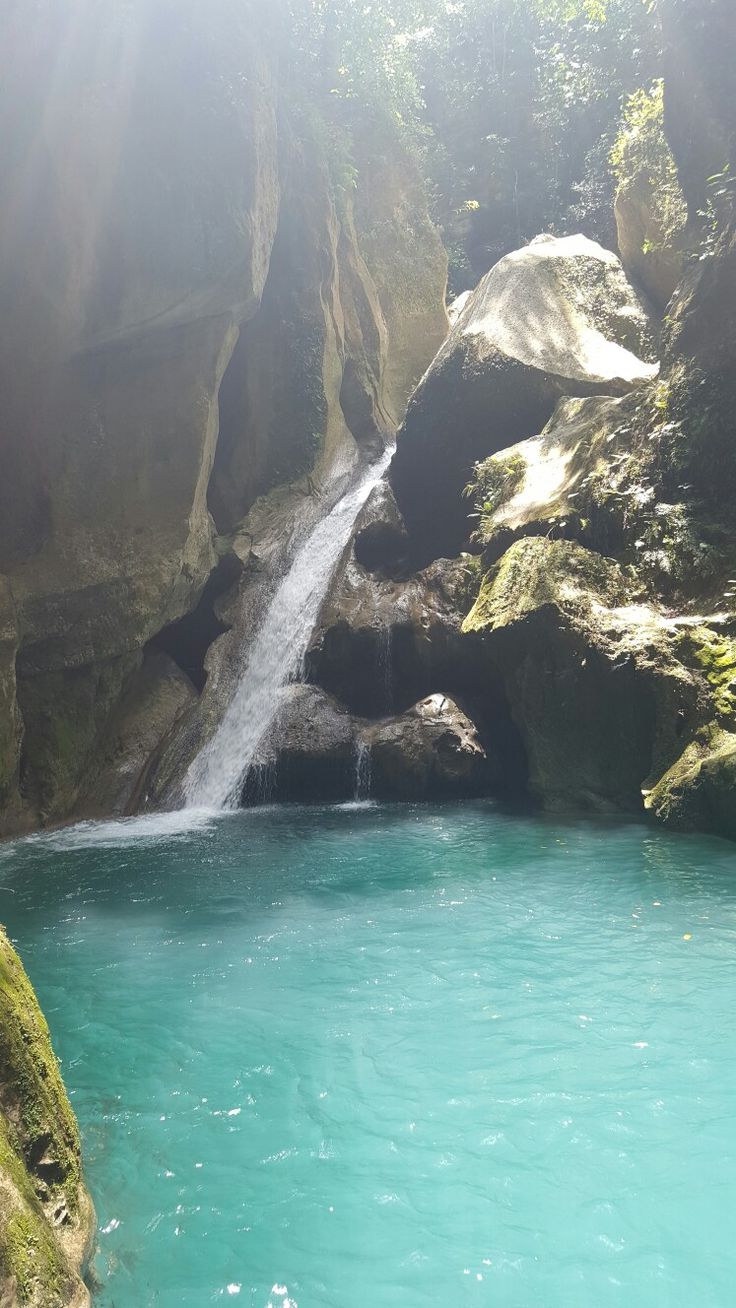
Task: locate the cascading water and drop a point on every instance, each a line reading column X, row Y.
column 362, row 771
column 275, row 658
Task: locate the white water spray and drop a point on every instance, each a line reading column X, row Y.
column 276, row 656
column 362, row 771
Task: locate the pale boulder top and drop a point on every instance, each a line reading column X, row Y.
column 564, row 306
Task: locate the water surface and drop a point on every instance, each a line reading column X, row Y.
column 383, row 1057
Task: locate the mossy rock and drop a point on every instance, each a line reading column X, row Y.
column 698, row 793
column 536, row 572
column 591, row 674
column 714, row 655
column 46, row 1218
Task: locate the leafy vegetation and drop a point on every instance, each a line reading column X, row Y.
column 641, row 153
column 494, row 482
column 512, row 106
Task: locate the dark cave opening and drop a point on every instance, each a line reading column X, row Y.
column 188, row 639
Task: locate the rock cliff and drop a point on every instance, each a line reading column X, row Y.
column 46, row 1217
column 195, row 309
column 603, row 625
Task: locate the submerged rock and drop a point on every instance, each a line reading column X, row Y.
column 555, row 318
column 46, row 1216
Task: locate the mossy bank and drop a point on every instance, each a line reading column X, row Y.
column 46, row 1215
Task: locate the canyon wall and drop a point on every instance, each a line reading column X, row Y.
column 196, row 307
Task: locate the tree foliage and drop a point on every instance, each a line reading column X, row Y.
column 512, row 105
column 641, row 154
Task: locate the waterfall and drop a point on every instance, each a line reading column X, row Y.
column 276, row 655
column 385, row 666
column 362, row 771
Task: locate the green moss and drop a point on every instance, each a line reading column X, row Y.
column 699, row 790
column 33, row 1093
column 537, row 571
column 641, row 151
column 471, row 580
column 30, row 1256
column 715, row 656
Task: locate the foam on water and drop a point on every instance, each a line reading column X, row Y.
column 394, row 1057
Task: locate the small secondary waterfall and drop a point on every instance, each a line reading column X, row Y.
column 362, row 771
column 276, row 656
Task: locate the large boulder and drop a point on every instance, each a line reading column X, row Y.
column 192, row 314
column 591, row 673
column 317, row 751
column 555, row 318
column 432, row 751
column 47, row 1220
column 698, row 793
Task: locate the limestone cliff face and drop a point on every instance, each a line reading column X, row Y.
column 175, row 259
column 46, row 1217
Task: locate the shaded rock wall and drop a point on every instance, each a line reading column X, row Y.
column 699, row 43
column 172, row 261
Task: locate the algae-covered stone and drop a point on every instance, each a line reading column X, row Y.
column 590, row 671
column 555, row 318
column 46, row 1217
column 542, row 485
column 698, row 793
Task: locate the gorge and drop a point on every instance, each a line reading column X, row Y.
column 367, row 652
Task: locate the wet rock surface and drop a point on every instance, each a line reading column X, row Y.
column 172, row 350
column 320, row 751
column 432, row 751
